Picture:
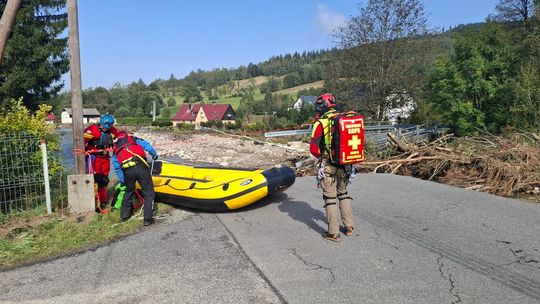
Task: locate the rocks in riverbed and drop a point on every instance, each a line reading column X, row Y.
column 227, row 151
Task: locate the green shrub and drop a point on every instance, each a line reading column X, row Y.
column 185, row 127
column 162, row 123
column 135, row 121
column 21, row 132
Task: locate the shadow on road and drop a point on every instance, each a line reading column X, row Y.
column 303, row 212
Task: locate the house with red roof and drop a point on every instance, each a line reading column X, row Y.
column 198, row 113
column 51, row 118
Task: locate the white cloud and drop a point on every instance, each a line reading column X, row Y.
column 328, row 20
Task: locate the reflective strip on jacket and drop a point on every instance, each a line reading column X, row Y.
column 320, row 135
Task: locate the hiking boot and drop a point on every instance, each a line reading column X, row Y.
column 332, row 237
column 349, row 230
column 148, row 222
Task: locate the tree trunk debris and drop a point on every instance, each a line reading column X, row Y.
column 493, row 164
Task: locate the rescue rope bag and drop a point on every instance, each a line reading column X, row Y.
column 346, row 138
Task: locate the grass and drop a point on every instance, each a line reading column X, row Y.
column 294, row 90
column 32, row 238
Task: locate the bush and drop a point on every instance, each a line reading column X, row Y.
column 135, row 121
column 21, row 133
column 234, row 126
column 185, row 127
column 162, row 123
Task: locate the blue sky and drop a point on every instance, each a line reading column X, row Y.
column 126, row 40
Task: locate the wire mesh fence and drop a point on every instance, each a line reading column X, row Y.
column 21, row 173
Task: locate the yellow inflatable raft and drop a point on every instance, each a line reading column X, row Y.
column 216, row 189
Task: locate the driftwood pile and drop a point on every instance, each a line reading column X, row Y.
column 492, row 164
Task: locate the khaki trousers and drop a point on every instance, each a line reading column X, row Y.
column 334, row 186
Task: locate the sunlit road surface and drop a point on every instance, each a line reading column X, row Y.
column 415, row 242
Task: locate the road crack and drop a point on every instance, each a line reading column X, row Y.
column 447, row 275
column 313, row 265
column 520, row 257
column 450, row 206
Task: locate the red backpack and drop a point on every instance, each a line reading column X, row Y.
column 347, row 138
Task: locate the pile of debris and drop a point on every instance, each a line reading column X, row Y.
column 492, row 164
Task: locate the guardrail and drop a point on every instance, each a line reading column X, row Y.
column 376, row 134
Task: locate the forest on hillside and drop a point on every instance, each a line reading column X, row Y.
column 477, row 77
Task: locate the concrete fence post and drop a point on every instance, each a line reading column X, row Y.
column 46, row 176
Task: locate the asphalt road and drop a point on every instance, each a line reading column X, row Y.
column 415, row 242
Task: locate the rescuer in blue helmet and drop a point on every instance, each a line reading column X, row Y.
column 97, row 140
column 106, row 122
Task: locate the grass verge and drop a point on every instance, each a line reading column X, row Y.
column 28, row 238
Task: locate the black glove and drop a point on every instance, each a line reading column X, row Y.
column 155, row 157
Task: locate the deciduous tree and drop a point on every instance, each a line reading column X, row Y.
column 475, row 86
column 515, row 10
column 383, row 54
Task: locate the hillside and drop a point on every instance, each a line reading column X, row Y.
column 296, row 89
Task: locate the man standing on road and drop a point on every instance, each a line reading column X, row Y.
column 332, row 178
column 131, row 166
column 97, row 139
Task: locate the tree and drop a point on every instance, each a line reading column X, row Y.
column 475, row 86
column 515, row 10
column 253, row 70
column 191, row 93
column 292, row 80
column 384, row 52
column 171, row 102
column 247, row 101
column 6, row 22
column 36, row 55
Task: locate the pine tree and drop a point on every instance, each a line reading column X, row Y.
column 36, row 54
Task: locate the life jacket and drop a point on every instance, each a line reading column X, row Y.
column 343, row 135
column 98, row 138
column 128, row 152
column 324, row 120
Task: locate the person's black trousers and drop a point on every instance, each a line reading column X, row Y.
column 140, row 173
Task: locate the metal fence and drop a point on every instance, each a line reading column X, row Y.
column 376, row 135
column 22, row 184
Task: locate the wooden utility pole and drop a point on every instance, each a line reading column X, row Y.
column 6, row 23
column 76, row 86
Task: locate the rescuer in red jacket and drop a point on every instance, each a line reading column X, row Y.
column 332, row 178
column 131, row 166
column 97, row 140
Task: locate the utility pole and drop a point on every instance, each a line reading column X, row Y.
column 6, row 23
column 76, row 86
column 80, row 185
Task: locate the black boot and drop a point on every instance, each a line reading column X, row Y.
column 148, row 222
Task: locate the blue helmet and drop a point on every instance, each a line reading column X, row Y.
column 106, row 122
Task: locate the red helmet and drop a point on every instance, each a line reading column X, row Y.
column 324, row 102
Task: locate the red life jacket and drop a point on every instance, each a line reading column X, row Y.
column 127, row 149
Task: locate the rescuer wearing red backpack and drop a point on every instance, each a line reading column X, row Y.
column 131, row 166
column 333, row 178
